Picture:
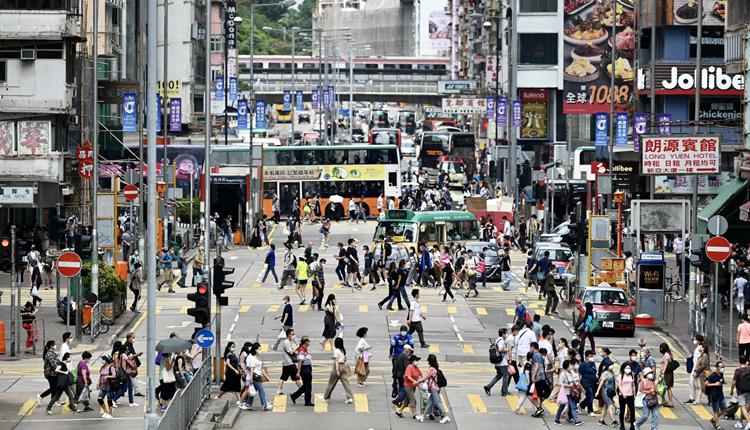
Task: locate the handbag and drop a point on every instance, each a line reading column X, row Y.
column 511, row 370
column 523, row 383
column 34, row 291
column 359, row 368
column 469, row 273
column 540, row 277
column 348, row 371
column 575, row 394
column 594, row 326
column 639, row 399
column 264, row 378
column 251, row 391
column 689, row 364
column 562, row 398
column 661, row 387
column 652, row 402
column 167, row 376
column 673, row 365
column 482, row 266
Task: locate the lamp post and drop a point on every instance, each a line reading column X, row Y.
column 323, row 79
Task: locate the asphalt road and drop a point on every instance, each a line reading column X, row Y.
column 458, row 333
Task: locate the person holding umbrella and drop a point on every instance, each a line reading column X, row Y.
column 167, row 347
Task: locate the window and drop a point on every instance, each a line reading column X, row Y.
column 712, row 43
column 538, row 49
column 371, row 66
column 427, row 232
column 198, row 104
column 389, row 66
column 3, row 71
column 217, row 43
column 531, row 6
column 269, row 189
column 470, row 230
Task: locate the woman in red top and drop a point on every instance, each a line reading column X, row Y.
column 411, row 380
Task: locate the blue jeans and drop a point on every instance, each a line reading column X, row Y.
column 588, row 402
column 507, row 276
column 272, row 270
column 261, row 393
column 572, row 405
column 644, row 416
column 433, row 401
column 502, row 373
column 483, row 279
column 362, row 215
column 183, row 275
column 402, row 290
column 341, row 271
column 128, row 386
column 196, row 272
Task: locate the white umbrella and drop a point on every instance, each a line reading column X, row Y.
column 336, row 198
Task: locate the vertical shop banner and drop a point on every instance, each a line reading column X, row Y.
column 621, row 133
column 331, row 98
column 517, row 118
column 175, row 114
column 502, row 112
column 639, row 128
column 129, row 109
column 314, row 100
column 490, row 107
column 158, row 111
column 299, row 105
column 242, row 115
column 287, row 100
column 260, row 114
column 219, row 86
column 232, row 89
column 438, row 29
column 665, row 128
column 602, row 118
column 326, row 99
column 534, row 114
column 491, row 71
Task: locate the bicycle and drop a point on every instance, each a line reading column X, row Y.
column 673, row 291
column 103, row 328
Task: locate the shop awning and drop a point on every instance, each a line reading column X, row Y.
column 744, row 210
column 727, row 204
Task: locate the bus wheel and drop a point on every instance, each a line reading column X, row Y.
column 336, row 214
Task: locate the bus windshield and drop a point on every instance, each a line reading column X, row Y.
column 380, row 118
column 434, row 146
column 384, row 137
column 452, row 167
column 397, row 231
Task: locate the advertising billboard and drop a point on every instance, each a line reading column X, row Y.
column 534, row 114
column 683, row 12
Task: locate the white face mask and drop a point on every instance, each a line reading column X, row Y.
column 591, row 359
column 627, row 371
column 650, row 376
column 695, row 342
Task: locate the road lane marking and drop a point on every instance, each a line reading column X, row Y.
column 320, row 405
column 273, row 308
column 360, row 403
column 184, row 309
column 445, row 405
column 303, row 308
column 264, row 347
column 244, row 308
column 513, row 403
column 481, row 311
column 158, row 309
column 510, row 311
column 236, row 318
column 279, row 403
column 363, row 308
column 702, row 412
column 455, row 327
column 476, row 403
column 667, row 413
column 28, row 407
column 256, row 286
column 467, row 349
column 452, row 310
column 424, row 309
column 434, row 349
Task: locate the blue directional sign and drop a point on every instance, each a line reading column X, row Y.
column 205, row 338
column 298, row 101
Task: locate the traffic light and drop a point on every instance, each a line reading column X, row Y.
column 219, row 284
column 22, row 250
column 329, row 127
column 5, row 255
column 82, row 245
column 202, row 311
column 699, row 258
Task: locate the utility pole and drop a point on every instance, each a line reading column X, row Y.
column 293, row 95
column 95, row 142
column 611, row 145
column 513, row 94
column 165, row 125
column 694, row 203
column 207, row 160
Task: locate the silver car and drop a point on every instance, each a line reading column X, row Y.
column 408, row 148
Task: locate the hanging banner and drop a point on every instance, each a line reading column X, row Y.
column 260, row 114
column 502, row 112
column 602, row 118
column 331, row 95
column 230, row 28
column 639, row 128
column 621, row 133
column 491, row 71
column 681, row 154
column 175, row 114
column 326, row 99
column 34, row 138
column 681, row 184
column 129, row 109
column 219, row 86
column 7, row 138
column 490, row 107
column 287, row 101
column 242, row 114
column 158, row 112
column 517, row 118
column 665, row 128
column 232, row 89
column 299, row 105
column 314, row 100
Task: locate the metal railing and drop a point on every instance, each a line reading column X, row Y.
column 342, row 89
column 96, row 320
column 187, row 401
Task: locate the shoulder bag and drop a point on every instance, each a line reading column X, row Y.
column 167, row 376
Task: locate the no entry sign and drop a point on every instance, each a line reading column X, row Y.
column 69, row 264
column 718, row 249
column 131, row 192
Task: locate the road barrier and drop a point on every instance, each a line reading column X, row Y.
column 187, row 401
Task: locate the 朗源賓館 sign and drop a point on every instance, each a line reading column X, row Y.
column 465, row 106
column 17, row 195
column 455, row 87
column 680, row 154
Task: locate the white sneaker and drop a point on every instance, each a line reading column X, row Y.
column 591, row 414
column 114, row 404
column 738, row 425
column 349, row 401
column 38, row 400
column 747, row 427
column 323, row 399
column 108, row 416
column 445, row 420
column 133, row 405
column 420, row 418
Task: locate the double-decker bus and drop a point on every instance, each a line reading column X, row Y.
column 379, row 119
column 407, row 122
column 349, row 171
column 438, row 144
column 385, row 136
column 283, row 116
column 464, row 145
column 409, row 228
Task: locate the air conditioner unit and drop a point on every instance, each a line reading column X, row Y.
column 28, row 54
column 73, row 119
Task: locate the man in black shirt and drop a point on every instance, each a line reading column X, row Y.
column 505, row 267
column 352, row 267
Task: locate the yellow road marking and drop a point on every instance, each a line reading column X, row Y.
column 497, row 288
column 337, row 286
column 424, row 309
column 513, row 403
column 452, row 310
column 244, row 308
column 467, row 349
column 264, row 347
column 445, row 405
column 434, row 348
column 303, row 308
column 667, row 413
column 256, row 285
column 363, row 308
column 132, row 330
column 510, row 311
column 481, row 311
column 476, row 403
column 320, row 405
column 184, row 309
column 279, row 404
column 28, row 407
column 273, row 308
column 360, row 403
column 327, row 347
column 702, row 412
column 158, row 309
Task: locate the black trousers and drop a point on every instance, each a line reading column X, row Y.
column 628, row 401
column 52, row 381
column 551, row 301
column 305, row 389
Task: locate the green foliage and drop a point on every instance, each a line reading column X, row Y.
column 272, row 42
column 183, row 205
column 110, row 284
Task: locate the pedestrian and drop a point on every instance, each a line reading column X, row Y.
column 36, row 282
column 338, row 373
column 505, row 268
column 182, row 265
column 51, row 361
column 83, row 382
column 62, row 384
column 532, row 270
column 415, row 313
column 743, row 336
column 363, row 351
column 352, row 265
column 256, row 373
column 276, row 209
column 301, row 275
column 626, row 382
column 136, row 283
column 135, row 361
column 381, row 252
column 666, row 370
column 342, row 262
column 412, row 374
column 472, row 263
column 325, row 230
column 524, row 391
column 28, row 321
column 107, row 375
column 48, row 269
column 330, row 322
column 583, row 328
column 198, row 263
column 694, row 384
column 288, row 370
column 520, row 314
column 743, row 398
column 551, row 291
column 449, row 277
column 319, row 284
column 397, row 278
column 369, row 275
column 538, row 378
column 304, row 372
column 501, row 367
column 123, row 361
column 297, row 232
column 545, row 264
column 651, row 402
column 433, row 401
column 191, row 355
column 425, row 265
column 413, row 267
column 232, row 381
column 271, row 263
column 166, row 265
column 587, row 371
column 287, row 323
column 607, row 391
column 568, row 385
column 290, row 268
column 352, row 208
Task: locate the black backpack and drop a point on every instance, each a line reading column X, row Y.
column 743, row 382
column 495, row 355
column 388, row 250
column 441, row 381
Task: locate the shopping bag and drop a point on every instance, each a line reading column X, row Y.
column 85, row 393
column 366, row 356
column 594, row 326
column 639, row 399
column 661, row 387
column 562, row 398
column 359, row 369
column 523, row 383
column 251, row 390
column 511, row 370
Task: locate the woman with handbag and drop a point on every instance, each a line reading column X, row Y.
column 107, row 374
column 587, row 318
column 650, row 401
column 232, row 381
column 36, row 282
column 304, row 372
column 607, row 391
column 123, row 362
column 362, row 352
column 568, row 383
column 626, row 386
column 167, row 387
column 666, row 373
column 63, row 383
column 434, row 403
column 330, row 321
column 338, row 373
column 257, row 374
column 523, row 386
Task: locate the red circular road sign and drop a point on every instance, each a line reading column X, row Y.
column 718, row 249
column 131, row 192
column 69, row 264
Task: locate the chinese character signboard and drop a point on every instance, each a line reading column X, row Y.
column 129, row 109
column 490, row 107
column 517, row 120
column 602, row 118
column 465, row 106
column 287, row 100
column 7, row 138
column 680, row 184
column 110, row 92
column 534, row 114
column 331, row 95
column 491, row 71
column 680, row 154
column 502, row 112
column 621, row 133
column 260, row 114
column 328, row 173
column 85, row 156
column 34, row 138
column 298, row 101
column 17, row 195
column 326, row 99
column 219, row 86
column 242, row 115
column 639, row 128
column 232, row 89
column 175, row 114
column 665, row 128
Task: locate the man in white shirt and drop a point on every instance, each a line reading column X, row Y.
column 381, row 205
column 391, row 203
column 506, row 230
column 501, row 367
column 523, row 341
column 415, row 313
column 67, row 337
column 740, row 283
column 694, row 383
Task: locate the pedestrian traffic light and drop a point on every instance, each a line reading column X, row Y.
column 202, row 311
column 5, row 255
column 219, row 284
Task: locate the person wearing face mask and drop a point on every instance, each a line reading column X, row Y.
column 107, row 373
column 583, row 329
column 501, row 367
column 606, row 392
column 715, row 383
column 650, row 401
column 626, row 382
column 567, row 382
column 635, row 367
column 62, row 370
column 666, row 370
column 51, row 361
column 330, row 322
column 648, row 359
column 587, row 370
column 83, row 381
column 412, row 374
column 700, row 371
column 232, row 381
column 256, row 373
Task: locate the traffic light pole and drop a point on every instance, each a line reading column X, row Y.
column 14, row 313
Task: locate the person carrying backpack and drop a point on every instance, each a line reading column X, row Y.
column 501, row 362
column 290, row 268
column 325, row 230
column 435, row 381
